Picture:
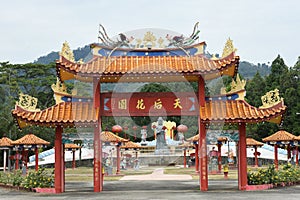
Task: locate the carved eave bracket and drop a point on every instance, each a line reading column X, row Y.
column 271, row 98
column 27, row 102
column 228, row 49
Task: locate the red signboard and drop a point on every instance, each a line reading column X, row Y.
column 149, row 104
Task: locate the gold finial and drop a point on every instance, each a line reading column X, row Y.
column 160, row 41
column 67, row 52
column 229, row 48
column 59, row 90
column 237, row 86
column 149, row 37
column 27, row 102
column 270, row 99
column 59, row 87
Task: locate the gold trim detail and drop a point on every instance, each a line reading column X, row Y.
column 27, row 102
column 66, row 52
column 270, row 99
column 59, row 90
column 229, row 48
column 237, row 86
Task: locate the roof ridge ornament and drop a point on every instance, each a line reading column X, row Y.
column 270, row 99
column 237, row 86
column 27, row 102
column 59, row 90
column 149, row 40
column 66, row 52
column 229, row 48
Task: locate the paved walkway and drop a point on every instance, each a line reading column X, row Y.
column 157, row 174
column 156, row 186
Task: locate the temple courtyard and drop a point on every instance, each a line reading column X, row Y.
column 154, row 183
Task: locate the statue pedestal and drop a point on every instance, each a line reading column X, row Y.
column 165, row 151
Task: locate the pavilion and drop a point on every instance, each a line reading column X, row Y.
column 154, row 59
column 29, row 142
column 5, row 145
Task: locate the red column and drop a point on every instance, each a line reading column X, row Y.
column 73, row 161
column 118, row 158
column 219, row 158
column 203, row 159
column 196, row 158
column 36, row 159
column 59, row 161
column 255, row 156
column 184, row 157
column 97, row 161
column 17, row 161
column 202, row 138
column 242, row 151
column 276, row 156
column 98, row 178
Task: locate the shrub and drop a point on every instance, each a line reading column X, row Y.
column 5, row 178
column 17, row 178
column 39, row 179
column 287, row 174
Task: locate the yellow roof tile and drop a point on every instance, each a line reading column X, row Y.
column 107, row 136
column 30, row 139
column 253, row 142
column 5, row 142
column 280, row 136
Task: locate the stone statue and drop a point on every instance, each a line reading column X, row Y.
column 161, row 144
column 144, row 135
column 181, row 137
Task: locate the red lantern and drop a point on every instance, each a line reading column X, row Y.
column 117, row 129
column 182, row 128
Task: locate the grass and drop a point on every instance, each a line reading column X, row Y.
column 86, row 173
column 191, row 171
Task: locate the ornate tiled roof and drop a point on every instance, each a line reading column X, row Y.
column 30, row 139
column 252, row 142
column 72, row 146
column 107, row 136
column 77, row 113
column 280, row 136
column 66, row 114
column 148, row 65
column 240, row 111
column 131, row 145
column 5, row 142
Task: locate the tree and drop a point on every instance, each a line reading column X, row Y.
column 276, row 78
column 32, row 79
column 255, row 89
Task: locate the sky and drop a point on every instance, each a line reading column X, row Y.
column 260, row 29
